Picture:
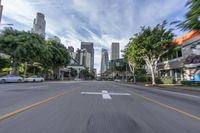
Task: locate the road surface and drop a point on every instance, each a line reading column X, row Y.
column 96, row 107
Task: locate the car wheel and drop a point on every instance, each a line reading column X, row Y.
column 2, row 81
column 41, row 81
column 19, row 81
column 34, row 80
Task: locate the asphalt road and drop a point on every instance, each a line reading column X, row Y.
column 96, row 107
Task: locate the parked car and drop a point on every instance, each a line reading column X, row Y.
column 11, row 78
column 34, row 79
column 117, row 80
column 77, row 79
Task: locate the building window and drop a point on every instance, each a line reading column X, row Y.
column 174, row 55
column 173, row 72
column 179, row 53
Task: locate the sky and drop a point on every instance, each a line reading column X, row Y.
column 99, row 21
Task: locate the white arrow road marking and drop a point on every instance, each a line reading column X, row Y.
column 105, row 94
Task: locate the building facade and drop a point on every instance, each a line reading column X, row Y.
column 55, row 38
column 1, row 11
column 89, row 47
column 39, row 25
column 115, row 50
column 83, row 58
column 184, row 62
column 104, row 60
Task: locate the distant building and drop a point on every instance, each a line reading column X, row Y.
column 104, row 60
column 39, row 25
column 89, row 46
column 1, row 10
column 184, row 62
column 115, row 51
column 95, row 72
column 84, row 58
column 119, row 69
column 55, row 38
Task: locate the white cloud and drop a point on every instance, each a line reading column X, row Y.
column 98, row 21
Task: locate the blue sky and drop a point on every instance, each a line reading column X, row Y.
column 98, row 21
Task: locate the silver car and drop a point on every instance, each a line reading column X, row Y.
column 10, row 78
column 34, row 79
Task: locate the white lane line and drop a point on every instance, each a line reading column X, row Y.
column 64, row 82
column 178, row 93
column 121, row 94
column 35, row 87
column 92, row 93
column 105, row 94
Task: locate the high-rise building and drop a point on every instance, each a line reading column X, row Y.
column 90, row 49
column 104, row 60
column 115, row 51
column 1, row 10
column 39, row 25
column 55, row 38
column 84, row 58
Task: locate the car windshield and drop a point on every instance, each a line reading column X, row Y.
column 33, row 77
column 100, row 66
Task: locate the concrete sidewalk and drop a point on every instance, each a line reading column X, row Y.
column 162, row 86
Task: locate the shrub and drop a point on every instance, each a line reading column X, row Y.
column 166, row 80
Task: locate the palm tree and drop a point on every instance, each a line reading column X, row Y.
column 192, row 20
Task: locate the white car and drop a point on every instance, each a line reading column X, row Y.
column 10, row 79
column 34, row 79
column 77, row 79
column 117, row 80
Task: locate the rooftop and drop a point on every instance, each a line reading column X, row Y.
column 186, row 37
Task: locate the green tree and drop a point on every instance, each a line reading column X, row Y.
column 85, row 74
column 4, row 63
column 21, row 46
column 55, row 55
column 29, row 48
column 192, row 16
column 73, row 72
column 149, row 45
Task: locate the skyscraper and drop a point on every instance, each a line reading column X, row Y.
column 1, row 10
column 115, row 51
column 104, row 60
column 39, row 25
column 90, row 49
column 84, row 58
column 54, row 38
